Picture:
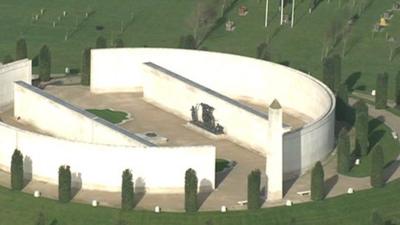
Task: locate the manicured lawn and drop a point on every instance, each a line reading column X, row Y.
column 221, row 164
column 20, row 209
column 160, row 23
column 109, row 115
column 380, row 134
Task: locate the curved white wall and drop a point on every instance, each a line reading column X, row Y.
column 14, row 71
column 238, row 77
column 100, row 166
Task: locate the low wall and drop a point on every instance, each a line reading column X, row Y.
column 58, row 118
column 156, row 169
column 237, row 77
column 15, row 71
column 241, row 123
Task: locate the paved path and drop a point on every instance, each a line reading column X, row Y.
column 232, row 188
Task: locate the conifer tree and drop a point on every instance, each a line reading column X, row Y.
column 17, row 171
column 191, row 184
column 317, row 182
column 253, row 189
column 127, row 192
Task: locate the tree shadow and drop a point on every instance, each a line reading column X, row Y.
column 287, row 184
column 76, row 183
column 374, row 138
column 330, row 183
column 54, row 222
column 27, row 165
column 390, row 169
column 352, row 42
column 220, row 176
column 374, row 123
column 204, row 191
column 285, row 63
column 352, row 80
column 140, row 190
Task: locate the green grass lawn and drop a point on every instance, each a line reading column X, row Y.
column 109, row 115
column 160, row 23
column 221, row 164
column 380, row 134
column 20, row 209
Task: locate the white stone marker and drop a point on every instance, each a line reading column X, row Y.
column 66, row 70
column 373, row 92
column 223, row 209
column 288, row 203
column 357, row 162
column 157, row 209
column 350, row 191
column 36, row 194
column 95, row 203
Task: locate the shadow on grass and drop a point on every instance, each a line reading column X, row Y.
column 352, row 80
column 390, row 169
column 330, row 183
column 374, row 138
column 374, row 123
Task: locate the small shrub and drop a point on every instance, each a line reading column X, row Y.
column 44, row 63
column 343, row 148
column 21, row 49
column 381, row 91
column 64, row 184
column 317, row 182
column 377, row 164
column 191, row 191
column 127, row 192
column 17, row 171
column 85, row 71
column 253, row 190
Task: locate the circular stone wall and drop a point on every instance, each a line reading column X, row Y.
column 240, row 78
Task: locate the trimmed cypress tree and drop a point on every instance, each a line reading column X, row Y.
column 342, row 104
column 64, row 184
column 253, row 189
column 101, row 42
column 119, row 43
column 337, row 70
column 377, row 164
column 44, row 63
column 41, row 219
column 21, row 49
column 7, row 59
column 85, row 70
column 343, row 148
column 397, row 90
column 361, row 127
column 191, row 191
column 381, row 91
column 376, row 218
column 17, row 171
column 328, row 72
column 127, row 193
column 317, row 182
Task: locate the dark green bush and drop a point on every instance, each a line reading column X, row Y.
column 253, row 189
column 317, row 182
column 17, row 171
column 191, row 183
column 127, row 192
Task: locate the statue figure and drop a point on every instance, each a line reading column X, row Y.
column 207, row 116
column 194, row 113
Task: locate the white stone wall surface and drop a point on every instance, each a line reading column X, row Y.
column 15, row 71
column 155, row 169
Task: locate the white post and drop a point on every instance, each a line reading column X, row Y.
column 293, row 5
column 282, row 11
column 274, row 156
column 266, row 12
